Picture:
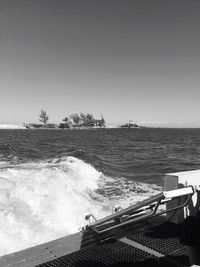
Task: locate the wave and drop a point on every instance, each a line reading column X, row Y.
column 42, row 201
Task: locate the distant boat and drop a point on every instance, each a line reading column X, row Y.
column 130, row 124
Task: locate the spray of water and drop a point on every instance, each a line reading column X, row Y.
column 43, row 201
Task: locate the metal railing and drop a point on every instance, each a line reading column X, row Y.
column 142, row 211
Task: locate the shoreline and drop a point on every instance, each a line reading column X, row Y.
column 56, row 127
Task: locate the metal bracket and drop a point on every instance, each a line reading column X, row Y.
column 137, row 212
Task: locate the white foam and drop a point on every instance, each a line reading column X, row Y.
column 44, row 201
column 11, row 126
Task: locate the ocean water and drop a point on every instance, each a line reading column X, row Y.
column 49, row 179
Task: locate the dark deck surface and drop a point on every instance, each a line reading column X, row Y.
column 158, row 246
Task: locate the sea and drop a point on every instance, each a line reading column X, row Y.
column 50, row 179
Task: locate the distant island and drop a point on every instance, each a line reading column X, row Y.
column 72, row 121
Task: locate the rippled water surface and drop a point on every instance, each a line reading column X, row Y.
column 136, row 154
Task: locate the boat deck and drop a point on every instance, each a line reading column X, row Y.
column 157, row 246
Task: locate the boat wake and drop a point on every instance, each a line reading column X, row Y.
column 42, row 201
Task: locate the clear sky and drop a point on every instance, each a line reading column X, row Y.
column 127, row 59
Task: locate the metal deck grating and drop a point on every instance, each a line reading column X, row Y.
column 164, row 239
column 109, row 254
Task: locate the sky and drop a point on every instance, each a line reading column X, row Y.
column 126, row 59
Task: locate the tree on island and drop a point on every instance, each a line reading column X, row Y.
column 67, row 121
column 83, row 120
column 75, row 117
column 102, row 122
column 87, row 119
column 43, row 117
column 90, row 120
